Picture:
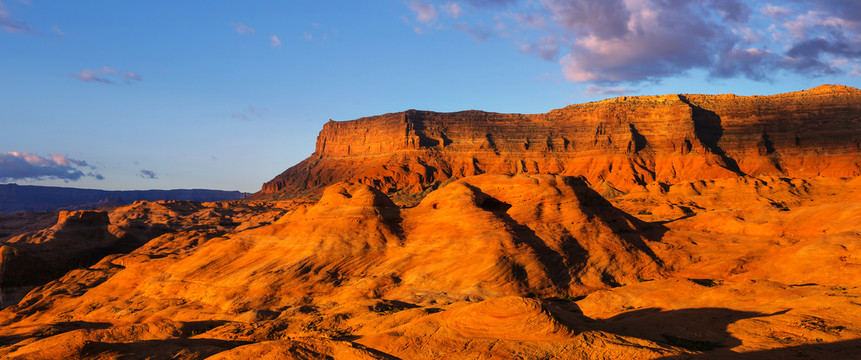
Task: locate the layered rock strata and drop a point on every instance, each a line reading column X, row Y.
column 616, row 144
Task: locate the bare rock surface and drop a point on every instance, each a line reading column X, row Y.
column 617, row 145
column 740, row 246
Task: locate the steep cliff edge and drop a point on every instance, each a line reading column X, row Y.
column 616, row 144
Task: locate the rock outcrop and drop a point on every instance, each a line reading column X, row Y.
column 83, row 237
column 756, row 255
column 79, row 239
column 616, row 144
column 508, row 267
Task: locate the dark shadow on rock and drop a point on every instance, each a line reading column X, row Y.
column 54, row 329
column 376, row 352
column 696, row 329
column 766, row 144
column 75, row 325
column 838, row 350
column 192, row 328
column 558, row 265
column 554, row 263
column 625, row 225
column 158, row 349
column 685, row 216
column 699, row 330
column 389, row 212
column 709, row 130
column 415, row 121
column 391, row 306
column 639, row 141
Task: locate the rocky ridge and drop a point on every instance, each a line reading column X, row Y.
column 616, row 145
column 734, row 263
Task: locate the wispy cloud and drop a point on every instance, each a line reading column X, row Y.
column 241, row 28
column 426, row 13
column 598, row 90
column 775, row 11
column 275, row 41
column 8, row 23
column 58, row 31
column 547, row 47
column 452, row 9
column 320, row 33
column 478, row 32
column 106, row 75
column 27, row 166
column 147, row 174
column 249, row 113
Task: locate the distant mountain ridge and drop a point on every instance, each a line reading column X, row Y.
column 14, row 197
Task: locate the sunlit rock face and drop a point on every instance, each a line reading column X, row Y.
column 621, row 143
column 668, row 227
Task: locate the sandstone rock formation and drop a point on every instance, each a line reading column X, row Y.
column 528, row 266
column 726, row 242
column 617, row 144
column 82, row 238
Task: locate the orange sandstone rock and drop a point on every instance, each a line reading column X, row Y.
column 625, row 142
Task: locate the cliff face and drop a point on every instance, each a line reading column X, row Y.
column 616, row 144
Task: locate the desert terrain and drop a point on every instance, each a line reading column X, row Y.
column 654, row 227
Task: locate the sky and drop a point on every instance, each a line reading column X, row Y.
column 156, row 94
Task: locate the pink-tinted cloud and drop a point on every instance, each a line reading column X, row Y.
column 243, row 29
column 452, row 9
column 106, row 75
column 8, row 23
column 616, row 41
column 654, row 42
column 275, row 41
column 426, row 13
column 775, row 11
column 64, row 160
column 27, row 166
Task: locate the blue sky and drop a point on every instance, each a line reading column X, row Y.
column 227, row 94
